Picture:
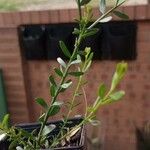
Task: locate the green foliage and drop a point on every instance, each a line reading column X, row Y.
column 54, row 108
column 102, row 6
column 117, row 96
column 121, row 15
column 81, row 61
column 121, row 69
column 42, row 102
column 48, row 129
column 64, row 49
column 102, row 91
column 84, row 2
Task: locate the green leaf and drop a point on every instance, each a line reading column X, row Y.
column 76, row 74
column 18, row 147
column 106, row 19
column 88, row 66
column 117, row 96
column 76, row 31
column 91, row 32
column 121, row 69
column 26, row 133
column 84, row 2
column 90, row 56
column 41, row 118
column 75, row 62
column 121, row 15
column 52, row 90
column 102, row 91
column 120, row 2
column 64, row 49
column 61, row 62
column 5, row 122
column 66, row 85
column 41, row 102
column 58, row 72
column 87, row 51
column 48, row 129
column 55, row 108
column 52, row 81
column 102, row 6
column 13, row 145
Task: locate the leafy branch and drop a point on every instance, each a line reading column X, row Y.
column 83, row 61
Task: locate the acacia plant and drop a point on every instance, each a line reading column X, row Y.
column 81, row 60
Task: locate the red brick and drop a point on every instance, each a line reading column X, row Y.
column 35, row 17
column 16, row 18
column 8, row 21
column 73, row 14
column 96, row 13
column 44, row 16
column 1, row 20
column 148, row 11
column 129, row 10
column 64, row 15
column 143, row 26
column 143, row 36
column 140, row 12
column 25, row 17
column 54, row 16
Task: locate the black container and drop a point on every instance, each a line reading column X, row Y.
column 77, row 144
column 32, row 41
column 119, row 40
column 142, row 142
column 56, row 33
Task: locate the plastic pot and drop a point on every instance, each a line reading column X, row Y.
column 77, row 143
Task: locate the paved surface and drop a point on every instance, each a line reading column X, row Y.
column 52, row 4
column 62, row 4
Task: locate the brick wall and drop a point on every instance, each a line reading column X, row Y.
column 25, row 80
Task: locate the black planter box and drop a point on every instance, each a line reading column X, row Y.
column 32, row 41
column 76, row 144
column 56, row 33
column 119, row 40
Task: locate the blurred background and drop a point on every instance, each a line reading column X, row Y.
column 29, row 34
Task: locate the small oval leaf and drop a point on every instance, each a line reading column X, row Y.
column 117, row 96
column 84, row 2
column 48, row 129
column 102, row 6
column 55, row 108
column 75, row 62
column 41, row 102
column 106, row 19
column 52, row 81
column 76, row 74
column 52, row 90
column 102, row 90
column 64, row 49
column 61, row 62
column 58, row 72
column 121, row 15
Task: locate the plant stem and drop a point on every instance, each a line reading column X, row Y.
column 79, row 8
column 77, row 43
column 104, row 15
